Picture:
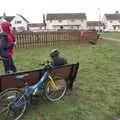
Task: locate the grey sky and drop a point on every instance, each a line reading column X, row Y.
column 34, row 9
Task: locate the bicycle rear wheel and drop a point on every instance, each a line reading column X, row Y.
column 55, row 94
column 12, row 104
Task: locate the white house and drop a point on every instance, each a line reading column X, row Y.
column 66, row 21
column 95, row 25
column 112, row 21
column 18, row 22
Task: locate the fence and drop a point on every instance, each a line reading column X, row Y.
column 29, row 39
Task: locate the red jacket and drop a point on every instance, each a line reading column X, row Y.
column 10, row 38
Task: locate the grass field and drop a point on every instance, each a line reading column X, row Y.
column 96, row 95
column 114, row 35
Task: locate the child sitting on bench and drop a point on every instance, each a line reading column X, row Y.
column 57, row 59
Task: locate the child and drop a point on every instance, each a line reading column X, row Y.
column 7, row 43
column 57, row 59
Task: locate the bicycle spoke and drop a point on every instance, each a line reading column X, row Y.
column 3, row 114
column 7, row 114
column 3, row 110
column 12, row 104
column 54, row 94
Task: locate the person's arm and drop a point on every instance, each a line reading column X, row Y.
column 5, row 44
column 10, row 45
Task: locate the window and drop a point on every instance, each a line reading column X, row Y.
column 72, row 20
column 61, row 27
column 18, row 22
column 60, row 20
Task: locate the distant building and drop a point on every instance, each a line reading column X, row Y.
column 112, row 21
column 18, row 22
column 35, row 27
column 95, row 25
column 66, row 21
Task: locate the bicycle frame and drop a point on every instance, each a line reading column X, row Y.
column 33, row 89
column 29, row 90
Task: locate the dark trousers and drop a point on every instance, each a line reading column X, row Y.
column 9, row 65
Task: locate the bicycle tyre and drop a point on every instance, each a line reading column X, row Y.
column 53, row 94
column 12, row 104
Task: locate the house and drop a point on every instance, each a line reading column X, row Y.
column 95, row 25
column 35, row 27
column 66, row 21
column 18, row 22
column 112, row 21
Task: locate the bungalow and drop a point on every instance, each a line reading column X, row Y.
column 95, row 25
column 112, row 21
column 66, row 21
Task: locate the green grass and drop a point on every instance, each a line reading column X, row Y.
column 96, row 95
column 114, row 35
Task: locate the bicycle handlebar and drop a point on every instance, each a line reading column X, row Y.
column 46, row 65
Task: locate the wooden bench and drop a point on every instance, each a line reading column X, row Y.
column 11, row 80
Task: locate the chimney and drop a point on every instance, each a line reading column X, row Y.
column 116, row 12
column 4, row 15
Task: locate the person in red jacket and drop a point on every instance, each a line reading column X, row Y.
column 7, row 43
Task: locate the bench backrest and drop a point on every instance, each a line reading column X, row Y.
column 11, row 80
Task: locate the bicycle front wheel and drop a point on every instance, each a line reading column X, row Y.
column 12, row 104
column 55, row 94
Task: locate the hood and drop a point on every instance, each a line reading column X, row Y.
column 6, row 30
column 6, row 27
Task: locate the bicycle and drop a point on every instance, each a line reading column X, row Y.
column 13, row 101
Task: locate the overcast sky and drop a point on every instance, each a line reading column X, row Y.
column 33, row 10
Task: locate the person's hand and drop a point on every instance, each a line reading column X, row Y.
column 15, row 43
